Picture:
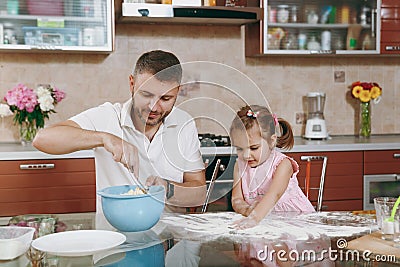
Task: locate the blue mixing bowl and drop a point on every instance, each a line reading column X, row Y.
column 132, row 213
column 146, row 257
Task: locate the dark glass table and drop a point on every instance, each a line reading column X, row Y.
column 281, row 239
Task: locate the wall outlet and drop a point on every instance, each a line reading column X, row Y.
column 300, row 118
column 339, row 76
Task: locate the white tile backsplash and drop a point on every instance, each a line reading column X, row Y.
column 91, row 79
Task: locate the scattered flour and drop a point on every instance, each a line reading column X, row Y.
column 284, row 226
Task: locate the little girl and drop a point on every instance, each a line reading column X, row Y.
column 264, row 178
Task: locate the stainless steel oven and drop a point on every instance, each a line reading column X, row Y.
column 380, row 185
column 215, row 147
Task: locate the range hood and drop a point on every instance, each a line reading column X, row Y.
column 160, row 13
column 214, row 12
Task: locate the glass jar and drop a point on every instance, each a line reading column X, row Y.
column 365, row 16
column 326, row 40
column 302, row 41
column 9, row 34
column 283, row 14
column 12, row 7
column 289, row 42
column 229, row 2
column 271, row 14
column 293, row 14
column 313, row 44
column 312, row 17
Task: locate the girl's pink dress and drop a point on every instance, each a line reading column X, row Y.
column 256, row 181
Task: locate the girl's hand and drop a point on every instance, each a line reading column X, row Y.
column 245, row 223
column 242, row 207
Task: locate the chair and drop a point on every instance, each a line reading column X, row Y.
column 211, row 186
column 209, row 189
column 307, row 187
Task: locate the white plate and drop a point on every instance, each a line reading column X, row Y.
column 78, row 243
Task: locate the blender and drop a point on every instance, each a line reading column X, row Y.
column 315, row 125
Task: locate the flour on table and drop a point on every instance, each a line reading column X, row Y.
column 274, row 226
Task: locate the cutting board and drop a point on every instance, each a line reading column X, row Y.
column 374, row 243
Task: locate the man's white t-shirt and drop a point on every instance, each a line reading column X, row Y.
column 175, row 147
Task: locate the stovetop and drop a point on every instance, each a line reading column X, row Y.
column 212, row 140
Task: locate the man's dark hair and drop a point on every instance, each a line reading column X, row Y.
column 165, row 66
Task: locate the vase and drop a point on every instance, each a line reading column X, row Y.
column 27, row 131
column 365, row 119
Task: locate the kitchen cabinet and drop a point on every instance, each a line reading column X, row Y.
column 381, row 175
column 343, row 181
column 47, row 186
column 57, row 25
column 382, row 162
column 316, row 27
column 390, row 27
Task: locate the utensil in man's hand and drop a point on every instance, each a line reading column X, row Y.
column 137, row 181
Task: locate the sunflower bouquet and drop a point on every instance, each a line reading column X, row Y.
column 366, row 92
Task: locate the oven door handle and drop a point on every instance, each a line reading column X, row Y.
column 396, row 155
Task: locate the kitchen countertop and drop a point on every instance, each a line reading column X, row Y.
column 15, row 151
column 347, row 143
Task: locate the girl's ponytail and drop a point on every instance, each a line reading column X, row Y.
column 286, row 140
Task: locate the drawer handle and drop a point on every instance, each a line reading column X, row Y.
column 396, row 156
column 36, row 166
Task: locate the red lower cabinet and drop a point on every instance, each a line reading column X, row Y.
column 47, row 186
column 343, row 188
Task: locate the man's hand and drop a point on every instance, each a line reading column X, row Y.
column 190, row 193
column 122, row 152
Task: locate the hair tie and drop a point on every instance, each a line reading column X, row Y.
column 276, row 122
column 252, row 114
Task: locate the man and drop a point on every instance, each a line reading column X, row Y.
column 146, row 138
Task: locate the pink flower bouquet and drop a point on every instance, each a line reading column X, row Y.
column 32, row 106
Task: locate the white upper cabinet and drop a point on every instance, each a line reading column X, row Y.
column 321, row 27
column 57, row 25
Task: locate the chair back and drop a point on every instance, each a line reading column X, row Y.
column 307, row 187
column 211, row 186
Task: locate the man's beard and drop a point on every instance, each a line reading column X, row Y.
column 154, row 122
column 145, row 120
